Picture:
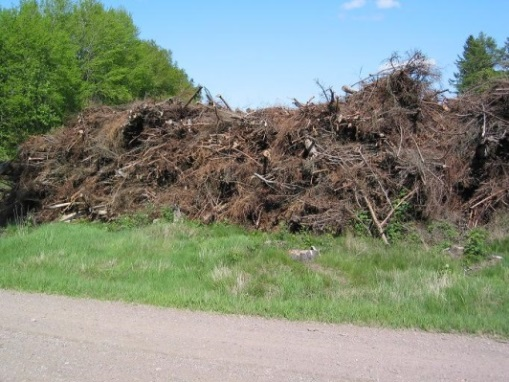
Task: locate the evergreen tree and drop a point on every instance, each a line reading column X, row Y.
column 504, row 63
column 478, row 64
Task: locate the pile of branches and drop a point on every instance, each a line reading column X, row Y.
column 393, row 148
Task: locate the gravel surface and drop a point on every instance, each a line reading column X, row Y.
column 53, row 338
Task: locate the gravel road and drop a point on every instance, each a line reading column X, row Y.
column 53, row 338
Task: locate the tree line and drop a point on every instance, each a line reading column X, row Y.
column 59, row 56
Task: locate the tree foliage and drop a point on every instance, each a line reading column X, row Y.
column 479, row 63
column 504, row 63
column 58, row 56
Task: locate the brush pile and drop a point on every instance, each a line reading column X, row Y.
column 393, row 149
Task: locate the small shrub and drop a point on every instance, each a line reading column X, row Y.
column 168, row 214
column 476, row 246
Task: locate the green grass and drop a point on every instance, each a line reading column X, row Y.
column 227, row 269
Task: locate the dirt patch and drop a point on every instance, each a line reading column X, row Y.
column 51, row 338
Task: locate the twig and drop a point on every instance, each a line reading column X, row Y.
column 376, row 221
column 250, row 157
column 354, row 216
column 209, row 97
column 194, row 96
column 225, row 103
column 441, row 91
column 297, row 103
column 329, row 98
column 219, row 119
column 486, row 199
column 418, row 150
column 376, row 177
column 393, row 210
column 266, row 181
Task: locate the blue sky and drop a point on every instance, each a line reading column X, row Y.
column 265, row 52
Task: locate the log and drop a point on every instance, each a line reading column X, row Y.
column 59, row 205
column 69, row 217
column 347, row 89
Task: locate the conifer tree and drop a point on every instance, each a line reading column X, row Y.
column 478, row 64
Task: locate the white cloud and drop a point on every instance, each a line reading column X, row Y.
column 386, row 4
column 347, row 6
column 352, row 4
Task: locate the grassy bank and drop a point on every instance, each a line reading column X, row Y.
column 226, row 269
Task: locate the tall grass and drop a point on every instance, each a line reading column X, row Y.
column 227, row 269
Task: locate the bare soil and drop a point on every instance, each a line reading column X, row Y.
column 52, row 338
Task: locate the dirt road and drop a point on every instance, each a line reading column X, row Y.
column 50, row 338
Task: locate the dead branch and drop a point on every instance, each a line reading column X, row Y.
column 376, row 221
column 384, row 191
column 488, row 198
column 198, row 91
column 203, row 158
column 225, row 103
column 264, row 180
column 393, row 210
column 349, row 90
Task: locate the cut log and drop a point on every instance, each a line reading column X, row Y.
column 347, row 89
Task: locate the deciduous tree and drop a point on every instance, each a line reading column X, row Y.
column 57, row 56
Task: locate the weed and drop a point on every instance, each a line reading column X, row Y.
column 476, row 245
column 361, row 223
column 442, row 233
column 137, row 220
column 168, row 214
column 396, row 228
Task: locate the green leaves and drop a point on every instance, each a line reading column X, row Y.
column 476, row 246
column 36, row 75
column 57, row 56
column 105, row 42
column 478, row 64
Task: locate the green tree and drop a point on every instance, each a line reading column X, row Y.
column 154, row 74
column 478, row 64
column 116, row 66
column 57, row 56
column 37, row 75
column 106, row 41
column 505, row 57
